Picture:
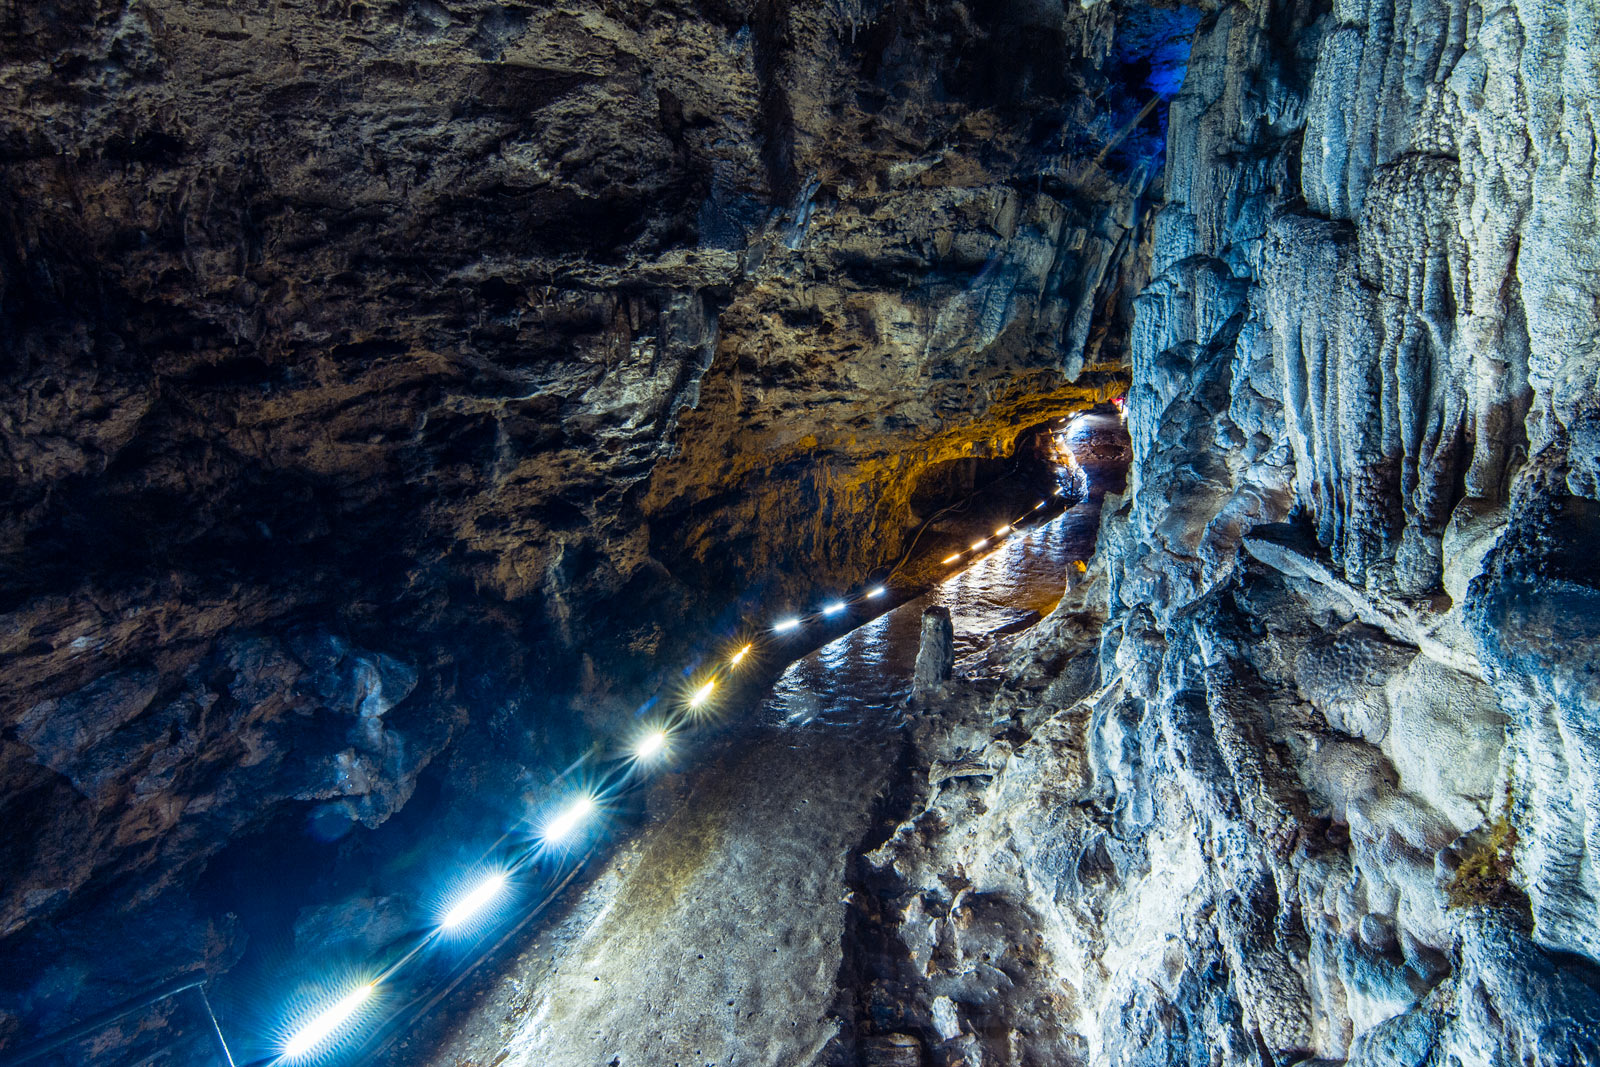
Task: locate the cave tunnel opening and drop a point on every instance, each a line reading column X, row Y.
column 956, row 501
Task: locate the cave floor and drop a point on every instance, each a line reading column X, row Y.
column 716, row 934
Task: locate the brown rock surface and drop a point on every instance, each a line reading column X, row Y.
column 497, row 342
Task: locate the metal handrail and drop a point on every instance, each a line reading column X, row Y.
column 194, row 980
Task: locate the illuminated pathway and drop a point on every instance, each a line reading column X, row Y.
column 714, row 935
column 733, row 899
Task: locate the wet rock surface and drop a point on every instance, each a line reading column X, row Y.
column 715, row 936
column 936, row 653
column 734, row 927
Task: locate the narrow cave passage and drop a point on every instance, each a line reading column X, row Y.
column 727, row 895
column 390, row 983
column 854, row 687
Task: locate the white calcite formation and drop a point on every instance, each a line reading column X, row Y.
column 1334, row 794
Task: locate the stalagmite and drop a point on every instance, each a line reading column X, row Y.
column 936, row 654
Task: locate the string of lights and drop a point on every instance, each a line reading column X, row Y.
column 317, row 1032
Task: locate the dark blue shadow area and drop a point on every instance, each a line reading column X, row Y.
column 1156, row 42
column 1150, row 58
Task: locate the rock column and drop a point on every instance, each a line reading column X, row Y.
column 936, row 654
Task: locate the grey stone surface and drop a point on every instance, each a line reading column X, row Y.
column 1377, row 342
column 936, row 653
column 1335, row 795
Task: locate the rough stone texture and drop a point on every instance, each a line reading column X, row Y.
column 936, row 653
column 520, row 345
column 715, row 936
column 1345, row 776
column 258, row 723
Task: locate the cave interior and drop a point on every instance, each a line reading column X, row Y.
column 1036, row 533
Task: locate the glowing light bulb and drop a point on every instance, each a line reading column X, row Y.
column 1059, row 490
column 474, row 902
column 953, row 558
column 834, row 608
column 875, row 592
column 786, row 624
column 320, row 1028
column 738, row 657
column 703, row 694
column 562, row 825
column 1002, row 531
column 650, row 744
column 979, row 544
column 1039, row 505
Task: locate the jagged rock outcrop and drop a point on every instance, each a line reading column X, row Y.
column 1332, row 797
column 162, row 781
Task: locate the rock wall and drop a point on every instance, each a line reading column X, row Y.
column 504, row 347
column 1330, row 793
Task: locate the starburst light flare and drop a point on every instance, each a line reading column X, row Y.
column 561, row 826
column 322, row 1026
column 650, row 745
column 465, row 909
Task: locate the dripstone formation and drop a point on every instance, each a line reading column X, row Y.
column 1331, row 796
column 390, row 393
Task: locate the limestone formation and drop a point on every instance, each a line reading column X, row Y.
column 936, row 654
column 1326, row 775
column 395, row 397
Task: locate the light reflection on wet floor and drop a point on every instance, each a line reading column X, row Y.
column 863, row 674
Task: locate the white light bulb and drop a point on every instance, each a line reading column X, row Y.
column 326, row 1022
column 562, row 825
column 834, row 608
column 786, row 624
column 702, row 694
column 875, row 592
column 474, row 902
column 650, row 744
